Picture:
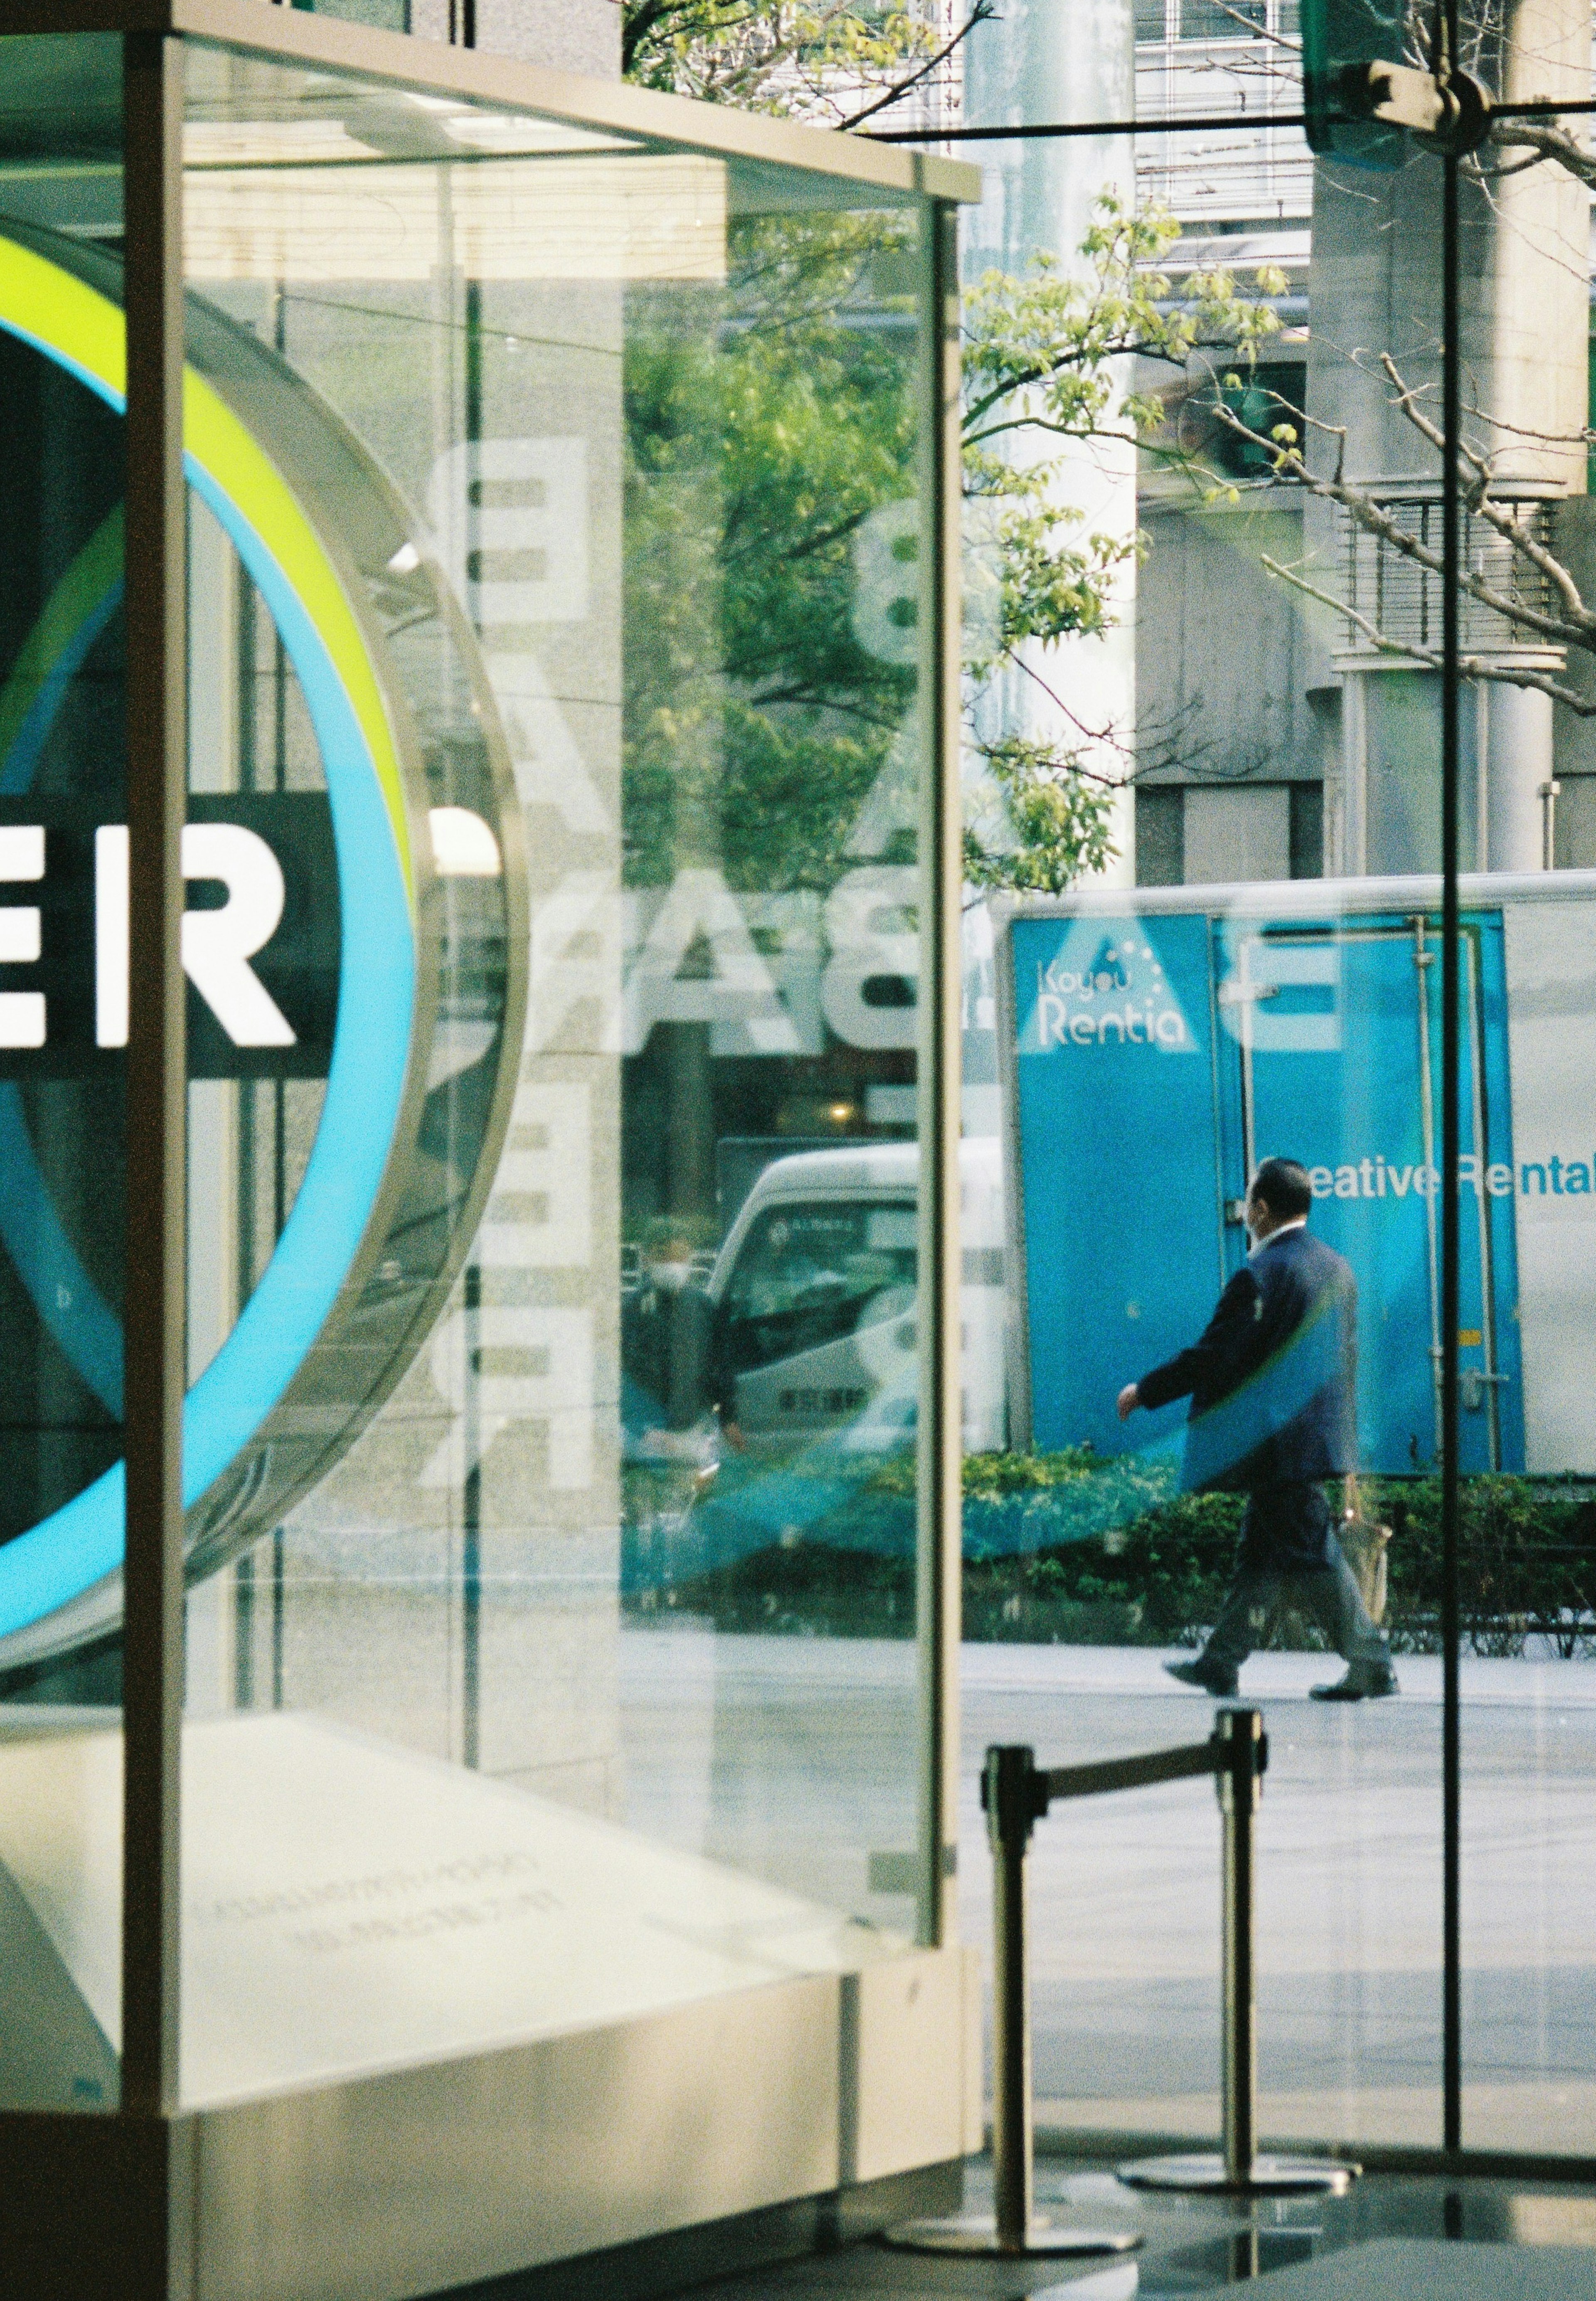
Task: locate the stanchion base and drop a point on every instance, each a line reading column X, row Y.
column 1270, row 2177
column 978, row 2233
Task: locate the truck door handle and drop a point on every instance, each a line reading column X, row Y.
column 1472, row 1383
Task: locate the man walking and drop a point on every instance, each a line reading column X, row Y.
column 1272, row 1385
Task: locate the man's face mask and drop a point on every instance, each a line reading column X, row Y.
column 671, row 1277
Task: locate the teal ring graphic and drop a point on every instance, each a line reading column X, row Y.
column 81, row 1543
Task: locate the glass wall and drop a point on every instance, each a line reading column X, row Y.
column 560, row 592
column 560, row 581
column 1204, row 931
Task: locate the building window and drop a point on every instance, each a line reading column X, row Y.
column 1222, row 19
column 1268, row 396
column 1203, row 834
column 1160, row 835
column 382, row 16
column 1307, row 831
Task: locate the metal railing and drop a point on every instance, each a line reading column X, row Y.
column 1016, row 1795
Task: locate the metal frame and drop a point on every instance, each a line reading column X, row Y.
column 941, row 1420
column 1016, row 1356
column 157, row 1116
column 1451, row 1748
column 134, row 2177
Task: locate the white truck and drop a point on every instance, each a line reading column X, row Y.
column 814, row 1290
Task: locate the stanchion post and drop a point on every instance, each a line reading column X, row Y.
column 1014, row 1793
column 1238, row 1783
column 1011, row 1810
column 1240, row 1754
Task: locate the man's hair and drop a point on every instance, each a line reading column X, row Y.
column 1283, row 1187
column 670, row 1237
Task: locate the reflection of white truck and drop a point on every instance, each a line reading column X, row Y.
column 815, row 1296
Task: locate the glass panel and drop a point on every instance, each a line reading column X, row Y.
column 1206, row 960
column 1252, row 705
column 62, row 1213
column 557, row 558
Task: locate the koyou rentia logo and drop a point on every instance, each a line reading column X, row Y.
column 358, row 923
column 1107, row 990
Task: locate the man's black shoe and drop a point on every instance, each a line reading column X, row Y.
column 1357, row 1685
column 1218, row 1683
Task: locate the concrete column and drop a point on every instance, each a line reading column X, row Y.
column 1040, row 60
column 1517, row 747
column 1376, row 287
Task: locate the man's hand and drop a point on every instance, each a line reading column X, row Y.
column 1130, row 1399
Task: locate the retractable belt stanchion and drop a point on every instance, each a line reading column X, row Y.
column 1240, row 1753
column 1016, row 1794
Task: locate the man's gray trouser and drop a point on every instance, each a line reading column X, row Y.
column 1327, row 1591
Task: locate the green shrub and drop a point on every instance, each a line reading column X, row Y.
column 1526, row 1563
column 1066, row 1550
column 802, row 1589
column 1155, row 1581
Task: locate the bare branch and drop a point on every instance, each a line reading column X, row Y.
column 1577, row 629
column 1549, row 140
column 1470, row 666
column 1505, row 522
column 1109, row 734
column 1257, row 31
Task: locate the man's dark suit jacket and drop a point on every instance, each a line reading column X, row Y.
column 1273, row 1380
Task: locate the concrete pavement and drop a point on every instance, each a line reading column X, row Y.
column 796, row 1758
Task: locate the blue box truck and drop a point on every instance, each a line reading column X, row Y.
column 1155, row 1044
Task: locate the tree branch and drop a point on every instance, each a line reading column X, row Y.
column 1505, row 524
column 982, row 12
column 1549, row 140
column 1577, row 629
column 1471, row 667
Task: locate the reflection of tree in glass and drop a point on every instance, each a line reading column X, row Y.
column 765, row 423
column 766, row 771
column 1046, row 363
column 833, row 62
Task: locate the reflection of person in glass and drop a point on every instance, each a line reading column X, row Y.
column 1272, row 1385
column 666, row 1345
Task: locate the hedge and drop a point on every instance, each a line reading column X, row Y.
column 1062, row 1549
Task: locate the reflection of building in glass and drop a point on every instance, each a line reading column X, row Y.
column 1232, row 761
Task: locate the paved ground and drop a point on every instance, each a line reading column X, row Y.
column 797, row 1757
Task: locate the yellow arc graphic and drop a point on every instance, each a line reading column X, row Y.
column 72, row 322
